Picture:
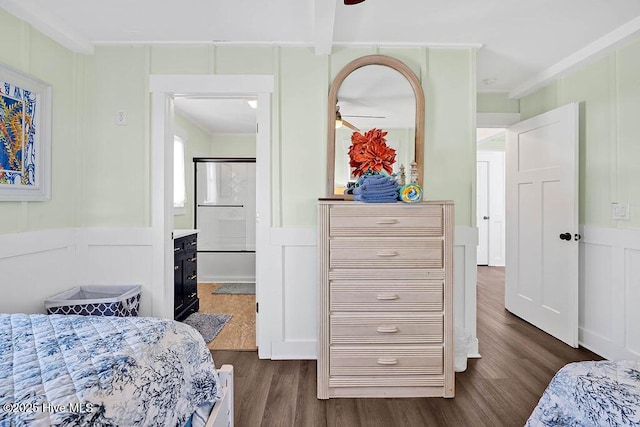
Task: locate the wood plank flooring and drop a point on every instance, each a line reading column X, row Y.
column 500, row 389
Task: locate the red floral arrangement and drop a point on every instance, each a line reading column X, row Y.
column 369, row 153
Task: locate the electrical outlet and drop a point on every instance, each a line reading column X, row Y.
column 620, row 211
column 121, row 118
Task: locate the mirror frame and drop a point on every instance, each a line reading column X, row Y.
column 333, row 100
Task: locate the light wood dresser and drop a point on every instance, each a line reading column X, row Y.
column 385, row 302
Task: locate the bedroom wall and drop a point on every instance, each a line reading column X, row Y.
column 29, row 51
column 48, row 247
column 608, row 93
column 106, row 217
column 497, row 102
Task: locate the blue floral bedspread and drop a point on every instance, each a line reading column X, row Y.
column 603, row 393
column 101, row 371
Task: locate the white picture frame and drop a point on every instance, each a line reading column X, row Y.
column 25, row 137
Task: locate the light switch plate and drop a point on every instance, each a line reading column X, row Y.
column 121, row 118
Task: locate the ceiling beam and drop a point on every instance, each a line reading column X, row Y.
column 324, row 18
column 582, row 57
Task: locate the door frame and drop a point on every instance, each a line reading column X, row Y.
column 163, row 88
column 497, row 120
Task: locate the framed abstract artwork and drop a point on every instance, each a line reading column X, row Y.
column 25, row 136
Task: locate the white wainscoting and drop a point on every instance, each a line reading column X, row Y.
column 39, row 264
column 465, row 277
column 293, row 290
column 294, row 298
column 610, row 292
column 35, row 266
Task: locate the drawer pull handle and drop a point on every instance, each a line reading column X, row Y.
column 192, row 277
column 175, row 267
column 389, row 361
column 387, row 329
column 176, row 249
column 194, row 243
column 387, row 297
column 388, row 254
column 389, row 221
column 193, row 259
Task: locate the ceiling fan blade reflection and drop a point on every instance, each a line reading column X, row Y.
column 350, row 126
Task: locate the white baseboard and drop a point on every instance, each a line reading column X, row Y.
column 226, row 279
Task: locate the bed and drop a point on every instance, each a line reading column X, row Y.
column 603, row 393
column 109, row 371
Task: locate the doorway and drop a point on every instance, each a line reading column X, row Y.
column 164, row 89
column 490, row 196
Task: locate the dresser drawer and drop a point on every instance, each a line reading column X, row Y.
column 391, row 220
column 385, row 360
column 383, row 295
column 385, row 253
column 386, row 329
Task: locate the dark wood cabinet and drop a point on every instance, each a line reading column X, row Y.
column 185, row 276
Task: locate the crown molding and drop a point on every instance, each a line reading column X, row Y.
column 49, row 25
column 582, row 57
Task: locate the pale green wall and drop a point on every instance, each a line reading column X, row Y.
column 29, row 51
column 116, row 183
column 497, row 102
column 450, row 141
column 608, row 92
column 233, row 145
column 198, row 144
column 103, row 170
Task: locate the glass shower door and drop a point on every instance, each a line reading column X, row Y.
column 226, row 205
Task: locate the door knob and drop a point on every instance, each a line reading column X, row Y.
column 565, row 236
column 485, row 217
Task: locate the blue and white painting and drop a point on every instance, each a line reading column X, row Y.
column 18, row 108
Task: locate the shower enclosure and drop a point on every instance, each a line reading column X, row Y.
column 225, row 212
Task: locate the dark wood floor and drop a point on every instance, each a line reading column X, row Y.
column 500, row 389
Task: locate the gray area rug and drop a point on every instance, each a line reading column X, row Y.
column 207, row 324
column 237, row 289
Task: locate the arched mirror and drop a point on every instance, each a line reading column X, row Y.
column 374, row 91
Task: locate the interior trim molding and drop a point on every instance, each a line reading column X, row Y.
column 49, row 25
column 576, row 60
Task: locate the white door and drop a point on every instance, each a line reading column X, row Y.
column 542, row 222
column 490, row 208
column 482, row 211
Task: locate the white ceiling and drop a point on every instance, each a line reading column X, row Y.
column 522, row 44
column 219, row 116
